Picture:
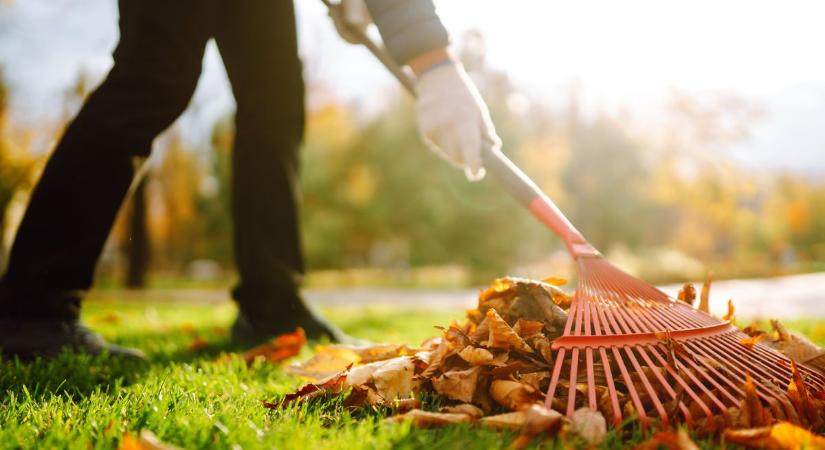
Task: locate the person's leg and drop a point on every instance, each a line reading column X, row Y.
column 156, row 67
column 258, row 43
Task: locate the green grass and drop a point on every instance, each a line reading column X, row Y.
column 188, row 399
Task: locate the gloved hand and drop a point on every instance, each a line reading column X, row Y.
column 452, row 117
column 348, row 15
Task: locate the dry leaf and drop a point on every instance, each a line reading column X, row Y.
column 753, row 413
column 704, row 297
column 554, row 281
column 750, row 341
column 780, row 436
column 279, row 348
column 514, row 395
column 502, row 336
column 332, row 385
column 730, row 315
column 465, row 408
column 476, row 356
column 687, row 294
column 426, row 419
column 394, row 378
column 798, row 347
column 402, row 405
column 670, row 440
column 538, row 420
column 527, row 328
column 458, row 384
column 507, row 421
column 805, row 405
column 145, row 441
column 328, row 360
column 590, row 425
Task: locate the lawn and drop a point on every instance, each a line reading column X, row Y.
column 189, row 399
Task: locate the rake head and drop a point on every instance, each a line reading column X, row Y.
column 660, row 358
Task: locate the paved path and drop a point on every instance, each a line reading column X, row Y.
column 796, row 296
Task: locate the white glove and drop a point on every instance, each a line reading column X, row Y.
column 453, row 119
column 348, row 15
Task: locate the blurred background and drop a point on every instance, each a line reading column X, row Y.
column 681, row 138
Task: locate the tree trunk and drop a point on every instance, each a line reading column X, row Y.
column 137, row 248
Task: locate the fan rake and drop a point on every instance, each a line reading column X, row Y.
column 659, row 359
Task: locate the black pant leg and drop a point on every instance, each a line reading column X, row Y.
column 156, row 67
column 258, row 43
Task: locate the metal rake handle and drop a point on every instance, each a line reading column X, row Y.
column 505, row 171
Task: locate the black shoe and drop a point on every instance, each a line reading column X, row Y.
column 246, row 331
column 27, row 339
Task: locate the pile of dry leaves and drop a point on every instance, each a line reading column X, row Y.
column 494, row 369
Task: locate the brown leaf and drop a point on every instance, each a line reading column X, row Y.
column 687, row 294
column 780, row 436
column 514, row 395
column 527, row 328
column 507, row 421
column 535, row 379
column 554, row 281
column 798, row 347
column 145, row 441
column 426, row 419
column 671, row 440
column 538, row 420
column 750, row 341
column 328, row 360
column 802, row 400
column 279, row 348
column 476, row 356
column 394, row 378
column 332, row 385
column 704, row 297
column 753, row 413
column 502, row 336
column 465, row 408
column 458, row 384
column 590, row 425
column 730, row 315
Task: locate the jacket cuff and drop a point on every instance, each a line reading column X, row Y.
column 408, row 27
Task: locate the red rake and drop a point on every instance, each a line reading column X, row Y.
column 667, row 355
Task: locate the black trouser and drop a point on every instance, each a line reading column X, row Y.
column 157, row 64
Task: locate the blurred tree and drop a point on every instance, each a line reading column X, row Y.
column 16, row 166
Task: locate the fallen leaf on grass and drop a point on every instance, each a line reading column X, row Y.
column 780, row 436
column 279, row 348
column 426, row 419
column 145, row 441
column 538, row 420
column 514, row 395
column 198, row 344
column 332, row 385
column 327, row 360
column 670, row 440
column 394, row 378
column 458, row 384
column 590, row 425
column 465, row 408
column 109, row 318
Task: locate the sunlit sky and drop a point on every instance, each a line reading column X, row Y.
column 623, row 54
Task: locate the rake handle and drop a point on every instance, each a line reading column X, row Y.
column 505, row 171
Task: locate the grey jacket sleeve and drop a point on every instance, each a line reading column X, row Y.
column 408, row 27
